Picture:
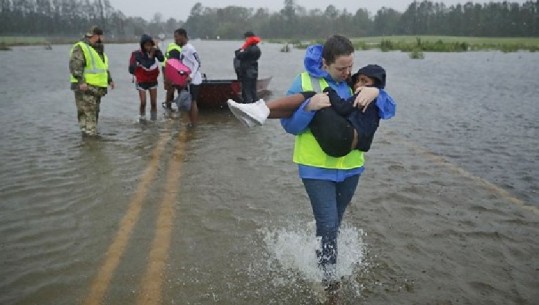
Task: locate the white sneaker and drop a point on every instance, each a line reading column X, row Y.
column 142, row 118
column 250, row 114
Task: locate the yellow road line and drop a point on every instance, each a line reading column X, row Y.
column 115, row 251
column 493, row 188
column 151, row 290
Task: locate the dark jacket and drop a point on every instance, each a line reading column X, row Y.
column 248, row 61
column 365, row 123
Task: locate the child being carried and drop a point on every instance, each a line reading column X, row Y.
column 338, row 129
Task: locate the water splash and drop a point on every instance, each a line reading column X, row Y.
column 292, row 249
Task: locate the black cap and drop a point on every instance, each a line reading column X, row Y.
column 248, row 34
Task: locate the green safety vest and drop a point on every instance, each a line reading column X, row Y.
column 96, row 69
column 171, row 46
column 307, row 151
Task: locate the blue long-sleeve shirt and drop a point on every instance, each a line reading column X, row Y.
column 300, row 120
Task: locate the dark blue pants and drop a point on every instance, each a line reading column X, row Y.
column 329, row 201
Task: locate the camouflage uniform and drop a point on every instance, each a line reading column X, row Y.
column 87, row 101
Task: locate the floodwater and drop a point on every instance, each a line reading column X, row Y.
column 447, row 211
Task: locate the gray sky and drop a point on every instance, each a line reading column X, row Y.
column 180, row 9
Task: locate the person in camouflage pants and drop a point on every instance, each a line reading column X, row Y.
column 88, row 96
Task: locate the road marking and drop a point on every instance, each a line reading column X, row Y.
column 151, row 284
column 115, row 251
column 493, row 188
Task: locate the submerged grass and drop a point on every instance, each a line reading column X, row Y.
column 22, row 41
column 4, row 47
column 440, row 43
column 8, row 41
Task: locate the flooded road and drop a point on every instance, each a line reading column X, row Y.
column 447, row 211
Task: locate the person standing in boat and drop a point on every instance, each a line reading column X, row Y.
column 190, row 58
column 90, row 78
column 248, row 56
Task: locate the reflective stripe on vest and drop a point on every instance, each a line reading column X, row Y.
column 95, row 71
column 171, row 46
column 307, row 151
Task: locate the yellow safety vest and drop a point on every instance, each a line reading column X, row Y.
column 95, row 71
column 171, row 46
column 307, row 151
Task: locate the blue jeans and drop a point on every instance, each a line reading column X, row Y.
column 329, row 200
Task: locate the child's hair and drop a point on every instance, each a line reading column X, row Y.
column 336, row 46
column 374, row 72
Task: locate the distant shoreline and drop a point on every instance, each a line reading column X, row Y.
column 384, row 43
column 17, row 41
column 438, row 43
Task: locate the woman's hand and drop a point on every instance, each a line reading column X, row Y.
column 365, row 97
column 318, row 101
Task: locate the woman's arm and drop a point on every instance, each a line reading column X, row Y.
column 366, row 95
column 300, row 120
column 386, row 105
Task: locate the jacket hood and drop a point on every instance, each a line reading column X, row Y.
column 313, row 61
column 251, row 41
column 373, row 71
column 144, row 39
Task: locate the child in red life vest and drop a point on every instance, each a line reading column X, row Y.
column 144, row 65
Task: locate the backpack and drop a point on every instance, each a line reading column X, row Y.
column 176, row 72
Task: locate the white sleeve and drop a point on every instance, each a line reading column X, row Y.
column 196, row 62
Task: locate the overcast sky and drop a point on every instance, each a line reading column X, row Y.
column 180, row 9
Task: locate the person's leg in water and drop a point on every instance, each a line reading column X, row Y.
column 329, row 201
column 345, row 192
column 257, row 113
column 153, row 103
column 193, row 113
column 142, row 106
column 169, row 97
column 248, row 90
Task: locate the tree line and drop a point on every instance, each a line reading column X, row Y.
column 74, row 17
column 57, row 18
column 494, row 19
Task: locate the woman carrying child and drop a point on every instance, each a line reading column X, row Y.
column 330, row 181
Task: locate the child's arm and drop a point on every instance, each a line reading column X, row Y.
column 342, row 107
column 159, row 55
column 386, row 105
